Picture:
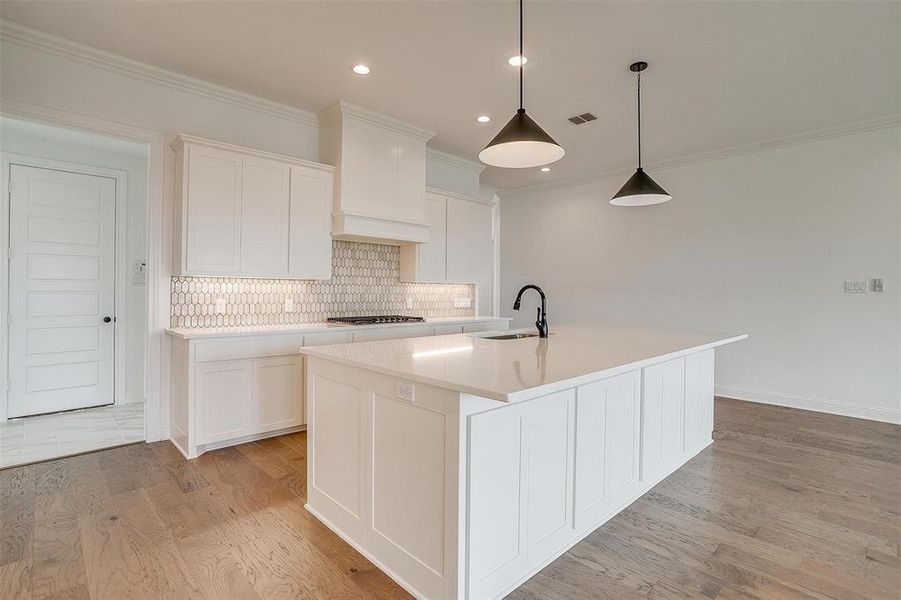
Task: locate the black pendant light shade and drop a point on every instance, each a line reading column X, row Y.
column 640, row 190
column 522, row 143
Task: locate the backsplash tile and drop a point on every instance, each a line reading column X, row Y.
column 365, row 280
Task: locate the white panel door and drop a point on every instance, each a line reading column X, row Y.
column 607, row 445
column 277, row 393
column 432, row 265
column 458, row 240
column 481, row 254
column 663, row 400
column 224, row 395
column 310, row 231
column 213, row 211
column 61, row 288
column 264, row 217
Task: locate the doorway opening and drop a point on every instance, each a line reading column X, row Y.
column 74, row 303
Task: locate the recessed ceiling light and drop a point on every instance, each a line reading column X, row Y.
column 517, row 60
column 545, row 169
column 361, row 69
column 483, row 118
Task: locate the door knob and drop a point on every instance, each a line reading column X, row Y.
column 106, row 319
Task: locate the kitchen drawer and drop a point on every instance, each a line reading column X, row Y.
column 447, row 329
column 391, row 333
column 486, row 326
column 331, row 337
column 247, row 347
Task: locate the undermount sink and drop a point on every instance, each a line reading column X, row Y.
column 509, row 336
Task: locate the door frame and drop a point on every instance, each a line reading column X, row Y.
column 160, row 199
column 120, row 250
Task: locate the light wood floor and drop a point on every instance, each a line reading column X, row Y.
column 785, row 504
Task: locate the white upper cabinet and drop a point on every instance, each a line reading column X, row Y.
column 211, row 213
column 264, row 217
column 380, row 180
column 310, row 248
column 461, row 247
column 253, row 214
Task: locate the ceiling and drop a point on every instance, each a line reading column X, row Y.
column 721, row 74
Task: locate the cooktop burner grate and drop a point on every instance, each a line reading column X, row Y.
column 375, row 320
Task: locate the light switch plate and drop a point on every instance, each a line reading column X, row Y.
column 857, row 286
column 878, row 285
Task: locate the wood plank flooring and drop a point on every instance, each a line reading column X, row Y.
column 786, row 504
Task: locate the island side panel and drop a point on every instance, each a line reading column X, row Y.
column 528, row 500
column 384, row 472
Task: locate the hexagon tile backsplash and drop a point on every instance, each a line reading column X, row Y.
column 365, row 281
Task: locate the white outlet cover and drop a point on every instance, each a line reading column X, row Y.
column 220, row 306
column 856, row 286
column 405, row 390
column 289, row 305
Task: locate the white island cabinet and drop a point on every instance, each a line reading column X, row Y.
column 462, row 465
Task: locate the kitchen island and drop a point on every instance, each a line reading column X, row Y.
column 461, row 464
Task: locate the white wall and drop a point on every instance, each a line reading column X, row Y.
column 758, row 243
column 41, row 141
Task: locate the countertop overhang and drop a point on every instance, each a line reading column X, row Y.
column 520, row 369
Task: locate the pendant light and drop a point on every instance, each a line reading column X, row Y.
column 640, row 190
column 522, row 143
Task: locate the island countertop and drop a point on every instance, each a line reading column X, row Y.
column 519, row 369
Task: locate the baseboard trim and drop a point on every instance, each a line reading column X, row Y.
column 832, row 407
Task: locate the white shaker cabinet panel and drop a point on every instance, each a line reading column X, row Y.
column 264, row 217
column 223, row 393
column 662, row 415
column 606, row 445
column 458, row 240
column 310, row 247
column 211, row 190
column 481, row 255
column 277, row 393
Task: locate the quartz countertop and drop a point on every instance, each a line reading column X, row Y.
column 514, row 370
column 188, row 333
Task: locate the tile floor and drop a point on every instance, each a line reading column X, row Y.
column 32, row 439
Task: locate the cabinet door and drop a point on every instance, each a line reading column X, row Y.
column 277, row 393
column 481, row 252
column 310, row 235
column 432, row 263
column 212, row 211
column 607, row 445
column 458, row 240
column 224, row 398
column 663, row 400
column 264, row 217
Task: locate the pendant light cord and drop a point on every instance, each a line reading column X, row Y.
column 639, row 119
column 521, row 60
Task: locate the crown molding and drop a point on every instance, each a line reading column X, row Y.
column 343, row 109
column 884, row 122
column 452, row 160
column 33, row 39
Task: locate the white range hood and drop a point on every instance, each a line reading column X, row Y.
column 380, row 175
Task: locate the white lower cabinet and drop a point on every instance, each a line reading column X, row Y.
column 223, row 393
column 277, row 393
column 229, row 390
column 662, row 416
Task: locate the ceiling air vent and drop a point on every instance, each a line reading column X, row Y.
column 583, row 118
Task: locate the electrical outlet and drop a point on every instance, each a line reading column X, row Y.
column 856, row 287
column 289, row 305
column 409, row 302
column 220, row 306
column 405, row 390
column 878, row 285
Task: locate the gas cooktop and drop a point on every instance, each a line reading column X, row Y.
column 374, row 320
